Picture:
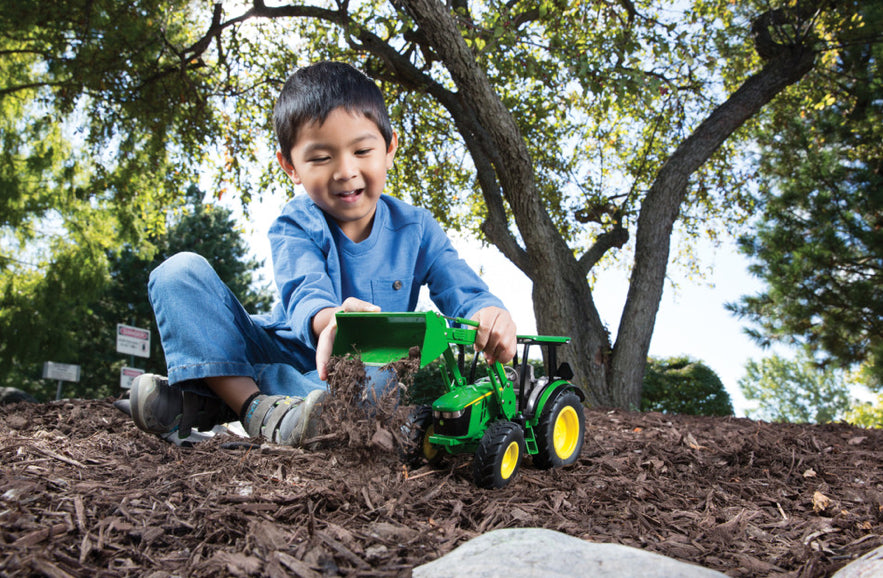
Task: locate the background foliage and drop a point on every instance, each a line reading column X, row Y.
column 109, row 110
column 684, row 385
column 795, row 390
column 119, row 295
column 818, row 241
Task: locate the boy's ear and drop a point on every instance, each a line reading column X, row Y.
column 391, row 151
column 288, row 168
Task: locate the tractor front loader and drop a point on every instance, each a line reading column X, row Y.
column 499, row 418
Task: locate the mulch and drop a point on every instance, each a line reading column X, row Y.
column 83, row 492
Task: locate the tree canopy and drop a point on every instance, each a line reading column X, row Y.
column 818, row 245
column 866, row 414
column 120, row 296
column 795, row 390
column 559, row 131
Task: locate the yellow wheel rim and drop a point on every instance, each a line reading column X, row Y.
column 566, row 434
column 429, row 450
column 509, row 461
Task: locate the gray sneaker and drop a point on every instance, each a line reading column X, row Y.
column 156, row 406
column 160, row 408
column 285, row 420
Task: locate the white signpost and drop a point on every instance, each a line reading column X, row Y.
column 127, row 375
column 133, row 340
column 61, row 372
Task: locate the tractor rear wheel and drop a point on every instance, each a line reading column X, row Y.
column 560, row 432
column 499, row 455
column 417, row 431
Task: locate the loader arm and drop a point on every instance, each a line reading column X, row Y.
column 380, row 338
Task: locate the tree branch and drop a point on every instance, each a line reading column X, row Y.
column 662, row 205
column 615, row 237
column 399, row 68
column 259, row 10
column 513, row 164
column 32, row 85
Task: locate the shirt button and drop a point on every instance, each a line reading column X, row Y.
column 397, row 285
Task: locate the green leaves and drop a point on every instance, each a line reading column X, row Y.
column 819, row 244
column 602, row 93
column 66, row 308
column 684, row 385
column 795, row 390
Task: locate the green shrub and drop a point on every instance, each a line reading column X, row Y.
column 684, row 385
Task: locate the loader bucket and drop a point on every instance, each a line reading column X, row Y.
column 381, row 338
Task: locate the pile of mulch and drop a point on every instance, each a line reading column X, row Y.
column 361, row 420
column 85, row 493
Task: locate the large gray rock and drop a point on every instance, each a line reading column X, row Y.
column 536, row 552
column 868, row 566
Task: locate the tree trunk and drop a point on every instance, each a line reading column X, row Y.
column 660, row 209
column 563, row 304
column 562, row 299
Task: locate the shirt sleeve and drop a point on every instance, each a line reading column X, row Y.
column 454, row 287
column 305, row 269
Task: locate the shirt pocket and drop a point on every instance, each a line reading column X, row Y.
column 392, row 294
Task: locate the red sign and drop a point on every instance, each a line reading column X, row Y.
column 133, row 340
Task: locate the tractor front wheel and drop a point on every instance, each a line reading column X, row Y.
column 560, row 432
column 417, row 431
column 499, row 455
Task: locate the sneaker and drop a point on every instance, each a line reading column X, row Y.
column 285, row 420
column 156, row 406
column 124, row 405
column 160, row 408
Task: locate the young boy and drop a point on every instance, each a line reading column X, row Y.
column 344, row 246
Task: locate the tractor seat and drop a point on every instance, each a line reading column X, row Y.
column 531, row 379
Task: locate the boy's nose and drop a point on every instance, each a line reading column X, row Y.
column 346, row 169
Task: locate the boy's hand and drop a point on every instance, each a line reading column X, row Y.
column 496, row 334
column 325, row 325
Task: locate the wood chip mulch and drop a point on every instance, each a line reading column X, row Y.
column 83, row 492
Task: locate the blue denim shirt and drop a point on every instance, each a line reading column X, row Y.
column 317, row 266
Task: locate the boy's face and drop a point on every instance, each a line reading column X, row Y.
column 342, row 165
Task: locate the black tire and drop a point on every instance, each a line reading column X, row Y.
column 419, row 451
column 499, row 455
column 560, row 432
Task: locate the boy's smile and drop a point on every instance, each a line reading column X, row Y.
column 342, row 165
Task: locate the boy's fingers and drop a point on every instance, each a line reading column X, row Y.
column 485, row 327
column 501, row 345
column 351, row 305
column 495, row 335
column 323, row 349
column 325, row 343
column 505, row 351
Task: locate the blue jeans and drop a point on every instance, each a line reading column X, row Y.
column 205, row 332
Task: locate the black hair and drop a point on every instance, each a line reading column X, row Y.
column 311, row 93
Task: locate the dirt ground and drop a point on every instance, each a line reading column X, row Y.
column 85, row 493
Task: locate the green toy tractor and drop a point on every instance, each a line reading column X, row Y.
column 498, row 418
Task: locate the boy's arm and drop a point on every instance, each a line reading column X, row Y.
column 325, row 328
column 458, row 292
column 496, row 334
column 453, row 286
column 304, row 270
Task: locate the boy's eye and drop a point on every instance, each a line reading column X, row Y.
column 362, row 152
column 318, row 159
